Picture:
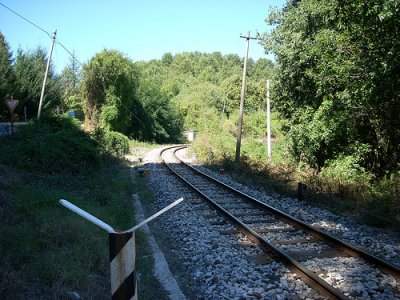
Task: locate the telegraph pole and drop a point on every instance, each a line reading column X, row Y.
column 45, row 74
column 239, row 134
column 268, row 123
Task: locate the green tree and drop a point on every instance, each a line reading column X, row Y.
column 163, row 121
column 29, row 70
column 336, row 81
column 199, row 104
column 195, row 86
column 109, row 89
column 254, row 94
column 232, row 89
column 7, row 77
column 69, row 79
column 262, row 70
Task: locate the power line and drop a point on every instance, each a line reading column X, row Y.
column 41, row 29
column 69, row 52
column 65, row 48
column 30, row 22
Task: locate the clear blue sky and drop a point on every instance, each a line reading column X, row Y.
column 141, row 29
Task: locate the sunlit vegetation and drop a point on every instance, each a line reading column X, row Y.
column 337, row 88
column 337, row 94
column 335, row 127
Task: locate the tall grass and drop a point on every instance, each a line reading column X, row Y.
column 47, row 251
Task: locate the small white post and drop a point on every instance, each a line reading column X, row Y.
column 268, row 124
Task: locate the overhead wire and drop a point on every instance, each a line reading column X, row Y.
column 69, row 52
column 41, row 29
column 22, row 17
column 65, row 48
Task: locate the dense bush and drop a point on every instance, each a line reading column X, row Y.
column 346, row 177
column 212, row 148
column 255, row 151
column 115, row 143
column 51, row 144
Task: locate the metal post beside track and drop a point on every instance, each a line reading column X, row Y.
column 122, row 251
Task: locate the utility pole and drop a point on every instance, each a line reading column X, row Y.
column 45, row 74
column 268, row 124
column 239, row 134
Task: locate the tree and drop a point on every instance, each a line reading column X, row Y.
column 29, row 70
column 163, row 121
column 69, row 80
column 232, row 89
column 262, row 70
column 254, row 97
column 336, row 81
column 189, row 90
column 109, row 87
column 7, row 77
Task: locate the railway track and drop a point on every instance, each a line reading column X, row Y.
column 281, row 236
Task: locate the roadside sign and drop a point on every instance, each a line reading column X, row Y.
column 12, row 104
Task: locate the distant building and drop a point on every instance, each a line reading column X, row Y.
column 190, row 135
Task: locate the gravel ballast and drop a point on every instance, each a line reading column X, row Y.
column 209, row 264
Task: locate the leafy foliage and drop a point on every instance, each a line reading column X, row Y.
column 29, row 71
column 50, row 145
column 22, row 78
column 336, row 81
column 109, row 86
column 69, row 80
column 160, row 119
column 7, row 77
column 204, row 86
column 214, row 148
column 112, row 142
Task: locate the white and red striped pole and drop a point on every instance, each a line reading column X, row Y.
column 122, row 252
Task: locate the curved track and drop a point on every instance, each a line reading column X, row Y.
column 265, row 226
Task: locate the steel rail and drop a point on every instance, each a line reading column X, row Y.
column 347, row 248
column 305, row 274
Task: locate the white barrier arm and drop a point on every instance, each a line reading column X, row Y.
column 87, row 216
column 176, row 202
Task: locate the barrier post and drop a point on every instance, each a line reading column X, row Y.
column 122, row 249
column 122, row 265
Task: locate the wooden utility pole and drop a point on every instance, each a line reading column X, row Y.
column 239, row 134
column 268, row 124
column 45, row 74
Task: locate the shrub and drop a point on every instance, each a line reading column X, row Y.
column 112, row 142
column 52, row 145
column 255, row 151
column 212, row 148
column 346, row 177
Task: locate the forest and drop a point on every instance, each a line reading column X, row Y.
column 335, row 97
column 150, row 101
